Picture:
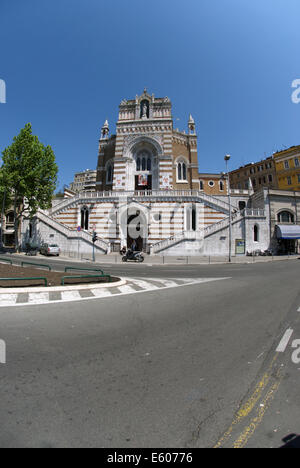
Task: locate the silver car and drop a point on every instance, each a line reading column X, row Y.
column 50, row 249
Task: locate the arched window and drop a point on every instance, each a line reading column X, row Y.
column 109, row 173
column 85, row 218
column 285, row 217
column 221, row 186
column 191, row 218
column 256, row 233
column 181, row 171
column 144, row 162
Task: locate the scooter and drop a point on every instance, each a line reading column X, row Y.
column 133, row 256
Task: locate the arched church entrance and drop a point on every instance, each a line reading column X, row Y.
column 134, row 229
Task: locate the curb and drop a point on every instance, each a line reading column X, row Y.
column 80, row 287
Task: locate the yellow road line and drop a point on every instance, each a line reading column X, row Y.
column 254, row 423
column 246, row 409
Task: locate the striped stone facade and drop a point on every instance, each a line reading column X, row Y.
column 148, row 189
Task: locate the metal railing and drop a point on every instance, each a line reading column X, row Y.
column 26, row 279
column 36, row 265
column 83, row 269
column 84, row 276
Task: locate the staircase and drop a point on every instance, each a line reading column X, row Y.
column 100, row 244
column 195, row 235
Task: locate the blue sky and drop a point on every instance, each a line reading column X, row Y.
column 67, row 64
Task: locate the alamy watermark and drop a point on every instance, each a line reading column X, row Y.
column 2, row 352
column 296, row 93
column 2, row 92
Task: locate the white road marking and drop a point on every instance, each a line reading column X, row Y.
column 8, row 299
column 165, row 282
column 101, row 292
column 67, row 296
column 70, row 295
column 127, row 289
column 285, row 341
column 38, row 298
column 144, row 285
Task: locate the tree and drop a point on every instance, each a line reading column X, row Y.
column 29, row 176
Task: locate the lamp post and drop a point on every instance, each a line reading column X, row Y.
column 227, row 158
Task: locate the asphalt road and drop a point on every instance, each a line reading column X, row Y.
column 192, row 366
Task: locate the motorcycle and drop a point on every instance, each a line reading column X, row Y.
column 133, row 256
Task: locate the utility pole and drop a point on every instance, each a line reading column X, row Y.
column 227, row 158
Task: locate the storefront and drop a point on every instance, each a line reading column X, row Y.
column 288, row 236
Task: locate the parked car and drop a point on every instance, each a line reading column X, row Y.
column 50, row 249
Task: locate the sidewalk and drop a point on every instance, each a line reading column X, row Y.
column 115, row 258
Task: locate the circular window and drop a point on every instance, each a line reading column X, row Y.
column 157, row 217
column 211, row 183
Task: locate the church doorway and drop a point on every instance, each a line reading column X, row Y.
column 136, row 231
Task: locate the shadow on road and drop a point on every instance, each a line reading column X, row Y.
column 291, row 441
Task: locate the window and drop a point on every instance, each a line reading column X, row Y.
column 144, row 162
column 181, row 171
column 270, row 177
column 297, row 163
column 285, row 217
column 191, row 218
column 256, row 233
column 242, row 205
column 202, row 186
column 85, row 218
column 221, row 186
column 289, row 180
column 298, row 175
column 211, row 183
column 10, row 218
column 286, row 164
column 109, row 173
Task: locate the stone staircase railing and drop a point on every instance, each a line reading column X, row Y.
column 93, row 197
column 71, row 233
column 208, row 231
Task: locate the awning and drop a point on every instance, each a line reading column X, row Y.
column 288, row 231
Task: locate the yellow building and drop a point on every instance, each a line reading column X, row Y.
column 288, row 168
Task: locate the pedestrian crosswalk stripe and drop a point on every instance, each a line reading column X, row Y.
column 70, row 295
column 101, row 292
column 38, row 298
column 133, row 286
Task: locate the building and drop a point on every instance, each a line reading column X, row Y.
column 148, row 189
column 255, row 176
column 84, row 181
column 288, row 168
column 8, row 232
column 213, row 184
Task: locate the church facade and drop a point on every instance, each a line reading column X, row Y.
column 149, row 190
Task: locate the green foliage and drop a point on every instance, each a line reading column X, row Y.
column 28, row 173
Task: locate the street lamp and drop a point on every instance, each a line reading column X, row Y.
column 227, row 158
